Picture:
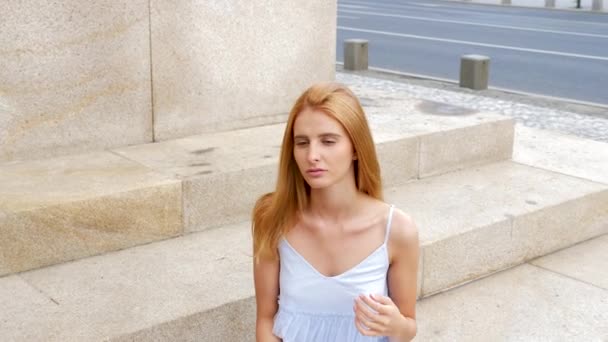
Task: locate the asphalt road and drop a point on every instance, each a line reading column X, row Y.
column 550, row 52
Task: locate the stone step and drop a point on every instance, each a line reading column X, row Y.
column 70, row 207
column 472, row 223
column 559, row 297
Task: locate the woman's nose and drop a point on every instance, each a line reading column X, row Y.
column 313, row 153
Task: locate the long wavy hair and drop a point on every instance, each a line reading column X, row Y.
column 276, row 212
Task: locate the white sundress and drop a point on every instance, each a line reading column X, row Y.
column 317, row 308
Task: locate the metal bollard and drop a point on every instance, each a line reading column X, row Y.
column 597, row 5
column 506, row 2
column 474, row 71
column 355, row 54
column 550, row 3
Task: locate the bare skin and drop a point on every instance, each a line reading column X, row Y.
column 341, row 227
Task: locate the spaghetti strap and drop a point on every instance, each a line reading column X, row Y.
column 388, row 223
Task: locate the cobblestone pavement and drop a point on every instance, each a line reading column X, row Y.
column 593, row 127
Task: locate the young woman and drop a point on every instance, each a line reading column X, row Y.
column 332, row 261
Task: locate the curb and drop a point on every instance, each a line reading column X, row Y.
column 499, row 89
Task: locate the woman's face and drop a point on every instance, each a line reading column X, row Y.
column 322, row 149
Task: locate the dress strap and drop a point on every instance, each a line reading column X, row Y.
column 388, row 223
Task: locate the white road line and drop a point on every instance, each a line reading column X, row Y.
column 424, row 5
column 464, row 42
column 475, row 24
column 347, row 17
column 352, row 6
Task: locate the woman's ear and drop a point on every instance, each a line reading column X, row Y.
column 354, row 156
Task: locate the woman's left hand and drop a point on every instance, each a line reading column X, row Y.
column 377, row 315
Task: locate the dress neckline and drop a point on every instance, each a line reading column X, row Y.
column 340, row 275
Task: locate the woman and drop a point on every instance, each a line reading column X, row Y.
column 333, row 262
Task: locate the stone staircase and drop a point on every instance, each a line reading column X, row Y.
column 152, row 242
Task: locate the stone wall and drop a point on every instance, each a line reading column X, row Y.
column 78, row 76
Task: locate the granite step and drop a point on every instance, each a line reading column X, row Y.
column 473, row 223
column 559, row 297
column 70, row 207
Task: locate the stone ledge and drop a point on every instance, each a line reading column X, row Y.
column 170, row 289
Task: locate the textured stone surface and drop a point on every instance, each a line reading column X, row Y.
column 228, row 64
column 70, row 207
column 141, row 287
column 74, row 76
column 581, row 261
column 398, row 160
column 522, row 304
column 561, row 153
column 554, row 227
column 28, row 314
column 477, row 221
column 234, row 321
column 485, row 143
column 225, row 172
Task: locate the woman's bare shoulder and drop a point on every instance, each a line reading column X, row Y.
column 404, row 231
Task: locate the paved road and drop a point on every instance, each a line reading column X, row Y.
column 549, row 52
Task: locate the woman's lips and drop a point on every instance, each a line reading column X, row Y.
column 315, row 172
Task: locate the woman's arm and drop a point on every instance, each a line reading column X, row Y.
column 394, row 316
column 403, row 272
column 266, row 279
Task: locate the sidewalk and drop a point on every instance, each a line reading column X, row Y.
column 586, row 5
column 587, row 122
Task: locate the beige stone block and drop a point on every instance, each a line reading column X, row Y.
column 76, row 206
column 581, row 261
column 222, row 65
column 74, row 76
column 211, row 153
column 460, row 148
column 562, row 153
column 398, row 160
column 558, row 226
column 521, row 304
column 468, row 256
column 225, row 198
column 468, row 219
column 30, row 315
column 223, row 173
column 160, row 287
column 234, row 321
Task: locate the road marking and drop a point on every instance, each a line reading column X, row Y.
column 352, row 6
column 476, row 24
column 347, row 17
column 464, row 42
column 425, row 5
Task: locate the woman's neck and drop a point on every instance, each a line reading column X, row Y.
column 334, row 203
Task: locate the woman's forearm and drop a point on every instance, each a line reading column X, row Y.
column 408, row 331
column 263, row 331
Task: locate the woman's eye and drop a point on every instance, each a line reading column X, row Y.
column 328, row 142
column 301, row 143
